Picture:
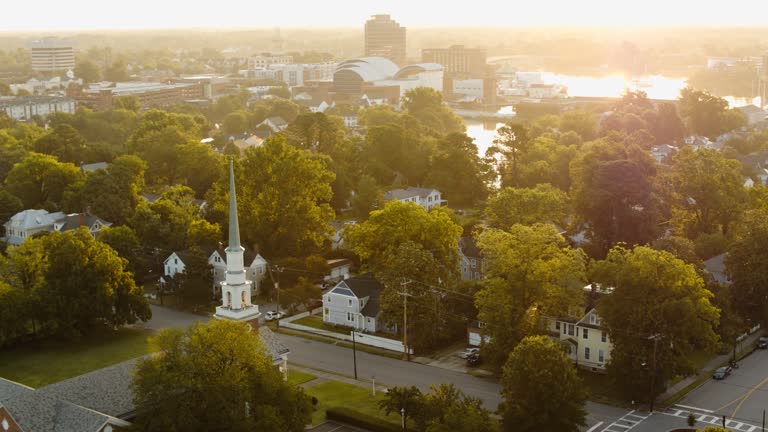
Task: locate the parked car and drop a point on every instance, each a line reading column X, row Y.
column 273, row 315
column 762, row 343
column 468, row 352
column 722, row 372
column 473, row 360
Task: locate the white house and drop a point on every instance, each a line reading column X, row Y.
column 27, row 223
column 275, row 124
column 425, row 197
column 471, row 260
column 663, row 151
column 354, row 303
column 338, row 269
column 256, row 267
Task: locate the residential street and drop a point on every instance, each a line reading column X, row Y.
column 337, row 359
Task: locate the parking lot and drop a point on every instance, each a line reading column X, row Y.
column 741, row 396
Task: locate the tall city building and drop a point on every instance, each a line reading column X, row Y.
column 458, row 61
column 52, row 55
column 384, row 37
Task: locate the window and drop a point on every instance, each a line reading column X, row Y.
column 586, row 333
column 369, row 320
column 329, row 299
column 586, row 353
column 604, row 337
column 175, row 260
column 557, row 325
column 600, row 356
column 327, row 312
column 349, row 316
column 349, row 301
column 474, row 262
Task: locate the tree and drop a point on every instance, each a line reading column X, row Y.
column 458, row 171
column 448, row 409
column 128, row 103
column 302, row 293
column 707, row 192
column 541, row 389
column 64, row 142
column 426, row 105
column 581, row 122
column 367, row 197
column 283, row 195
column 542, row 204
column 532, row 274
column 117, row 72
column 281, row 92
column 658, row 313
column 613, row 191
column 395, row 149
column 745, row 264
column 125, row 242
column 224, row 367
column 511, row 144
column 199, row 166
column 407, row 401
column 42, row 181
column 708, row 115
column 114, row 193
column 9, row 206
column 680, row 247
column 194, row 285
column 236, row 122
column 88, row 71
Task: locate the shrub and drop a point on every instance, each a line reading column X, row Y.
column 360, row 420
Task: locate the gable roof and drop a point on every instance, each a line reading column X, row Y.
column 76, row 220
column 372, row 307
column 408, row 193
column 364, row 285
column 716, row 267
column 35, row 218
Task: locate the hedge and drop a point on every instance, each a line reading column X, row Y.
column 360, row 420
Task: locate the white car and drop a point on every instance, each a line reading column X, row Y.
column 468, row 352
column 273, row 315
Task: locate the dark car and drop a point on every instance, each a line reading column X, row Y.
column 473, row 359
column 722, row 372
column 762, row 343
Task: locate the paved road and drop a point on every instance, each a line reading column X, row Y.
column 742, row 396
column 389, row 371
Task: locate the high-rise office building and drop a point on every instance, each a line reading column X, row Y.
column 384, row 37
column 51, row 55
column 459, row 62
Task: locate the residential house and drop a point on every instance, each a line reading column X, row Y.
column 98, row 401
column 471, row 260
column 716, row 267
column 275, row 124
column 661, row 152
column 247, row 141
column 586, row 340
column 338, row 270
column 425, row 197
column 89, row 168
column 475, row 335
column 747, row 182
column 753, row 114
column 256, row 267
column 337, row 239
column 354, row 303
column 27, row 223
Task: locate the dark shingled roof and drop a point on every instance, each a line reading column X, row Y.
column 76, row 220
column 364, row 285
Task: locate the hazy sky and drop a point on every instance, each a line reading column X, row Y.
column 104, row 14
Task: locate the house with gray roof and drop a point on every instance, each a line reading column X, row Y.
column 256, row 267
column 471, row 260
column 716, row 267
column 425, row 197
column 92, row 167
column 27, row 223
column 354, row 303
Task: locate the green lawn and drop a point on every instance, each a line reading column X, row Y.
column 600, row 388
column 338, row 394
column 45, row 362
column 316, row 322
column 298, row 377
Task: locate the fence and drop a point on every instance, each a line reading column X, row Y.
column 361, row 338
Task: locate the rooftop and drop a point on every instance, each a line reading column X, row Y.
column 408, row 193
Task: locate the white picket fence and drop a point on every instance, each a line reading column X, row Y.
column 361, row 338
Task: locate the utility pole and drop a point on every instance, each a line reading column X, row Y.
column 655, row 339
column 405, row 295
column 354, row 352
column 278, row 269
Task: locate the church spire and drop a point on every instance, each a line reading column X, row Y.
column 234, row 227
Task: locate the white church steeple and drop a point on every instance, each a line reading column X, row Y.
column 236, row 288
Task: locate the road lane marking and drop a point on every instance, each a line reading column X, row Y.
column 694, row 408
column 749, row 393
column 592, row 429
column 731, row 402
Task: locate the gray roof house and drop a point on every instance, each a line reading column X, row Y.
column 716, row 267
column 425, row 197
column 471, row 260
column 98, row 401
column 354, row 303
column 27, row 223
column 92, row 167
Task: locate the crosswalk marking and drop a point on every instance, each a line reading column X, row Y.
column 712, row 419
column 625, row 423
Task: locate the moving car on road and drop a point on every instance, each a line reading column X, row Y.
column 273, row 315
column 722, row 372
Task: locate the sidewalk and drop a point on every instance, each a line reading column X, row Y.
column 715, row 363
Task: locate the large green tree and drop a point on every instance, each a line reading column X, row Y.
column 541, row 389
column 708, row 115
column 746, row 263
column 42, row 181
column 64, row 142
column 113, row 194
column 542, row 204
column 706, row 192
column 458, row 171
column 283, row 194
column 658, row 314
column 216, row 377
column 509, row 147
column 426, row 105
column 532, row 275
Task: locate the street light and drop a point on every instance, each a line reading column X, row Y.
column 402, row 416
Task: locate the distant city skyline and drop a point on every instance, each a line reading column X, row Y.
column 152, row 14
